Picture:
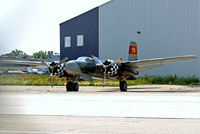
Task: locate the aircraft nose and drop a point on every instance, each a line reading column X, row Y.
column 72, row 68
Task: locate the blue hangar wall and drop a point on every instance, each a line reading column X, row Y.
column 86, row 25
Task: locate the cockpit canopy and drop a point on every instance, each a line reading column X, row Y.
column 87, row 59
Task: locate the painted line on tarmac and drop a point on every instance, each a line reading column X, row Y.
column 36, row 132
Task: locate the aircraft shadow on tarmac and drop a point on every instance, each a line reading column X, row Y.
column 151, row 90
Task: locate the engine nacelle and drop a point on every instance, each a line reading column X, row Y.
column 113, row 69
column 58, row 70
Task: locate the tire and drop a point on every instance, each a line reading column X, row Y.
column 75, row 87
column 123, row 86
column 69, row 86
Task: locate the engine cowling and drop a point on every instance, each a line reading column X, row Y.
column 113, row 69
column 58, row 70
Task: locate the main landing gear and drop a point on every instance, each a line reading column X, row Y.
column 123, row 86
column 72, row 86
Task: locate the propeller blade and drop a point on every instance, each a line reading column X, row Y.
column 104, row 78
column 117, row 61
column 61, row 62
column 52, row 80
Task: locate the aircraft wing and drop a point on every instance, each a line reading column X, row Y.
column 148, row 67
column 155, row 61
column 86, row 77
column 21, row 62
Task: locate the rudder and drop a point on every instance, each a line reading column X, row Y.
column 132, row 53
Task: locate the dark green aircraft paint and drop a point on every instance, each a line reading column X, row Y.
column 87, row 67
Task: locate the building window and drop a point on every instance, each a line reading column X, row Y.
column 67, row 41
column 80, row 40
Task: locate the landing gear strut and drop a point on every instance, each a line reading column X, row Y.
column 71, row 86
column 123, row 86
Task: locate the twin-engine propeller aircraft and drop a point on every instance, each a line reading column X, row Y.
column 86, row 68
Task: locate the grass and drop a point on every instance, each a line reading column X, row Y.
column 44, row 80
column 171, row 80
column 29, row 79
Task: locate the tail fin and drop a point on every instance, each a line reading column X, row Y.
column 132, row 53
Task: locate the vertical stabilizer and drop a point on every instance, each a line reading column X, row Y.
column 132, row 52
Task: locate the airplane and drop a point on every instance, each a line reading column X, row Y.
column 87, row 68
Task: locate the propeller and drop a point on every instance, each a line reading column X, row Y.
column 115, row 62
column 52, row 67
column 61, row 62
column 105, row 66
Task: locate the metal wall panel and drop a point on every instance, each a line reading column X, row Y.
column 168, row 28
column 85, row 24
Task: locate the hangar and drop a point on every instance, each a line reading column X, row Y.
column 161, row 28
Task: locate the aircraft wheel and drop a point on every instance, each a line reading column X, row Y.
column 69, row 86
column 75, row 87
column 123, row 86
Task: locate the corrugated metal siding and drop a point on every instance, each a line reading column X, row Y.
column 85, row 24
column 168, row 28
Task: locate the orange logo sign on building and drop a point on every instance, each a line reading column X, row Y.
column 132, row 50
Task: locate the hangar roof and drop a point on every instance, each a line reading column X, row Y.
column 86, row 12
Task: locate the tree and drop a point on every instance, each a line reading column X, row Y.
column 19, row 53
column 41, row 53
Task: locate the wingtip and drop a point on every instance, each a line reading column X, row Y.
column 192, row 56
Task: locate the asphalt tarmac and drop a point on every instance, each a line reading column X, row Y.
column 144, row 109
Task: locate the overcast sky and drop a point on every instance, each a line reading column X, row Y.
column 33, row 25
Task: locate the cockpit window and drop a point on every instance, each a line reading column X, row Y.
column 87, row 59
